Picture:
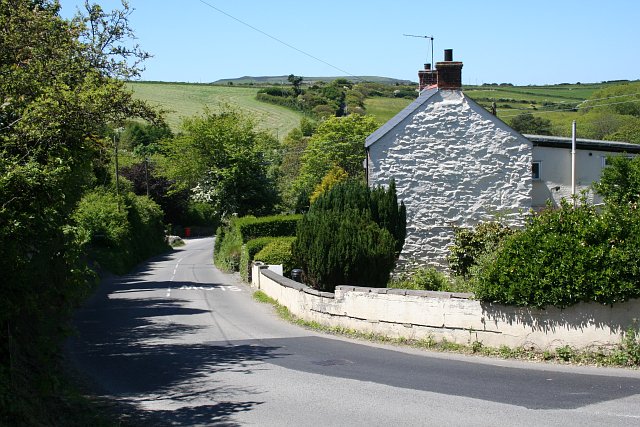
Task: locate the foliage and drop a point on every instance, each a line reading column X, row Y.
column 528, row 123
column 249, row 250
column 120, row 234
column 177, row 207
column 338, row 141
column 335, row 176
column 620, row 181
column 425, row 278
column 225, row 161
column 566, row 256
column 350, row 236
column 278, row 251
column 57, row 99
column 470, row 244
column 228, row 250
column 144, row 138
column 268, row 226
column 347, row 247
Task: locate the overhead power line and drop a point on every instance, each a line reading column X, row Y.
column 264, row 33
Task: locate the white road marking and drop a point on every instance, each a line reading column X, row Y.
column 173, row 276
column 224, row 288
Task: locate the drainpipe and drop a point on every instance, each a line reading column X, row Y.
column 573, row 161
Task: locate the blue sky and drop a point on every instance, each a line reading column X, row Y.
column 519, row 42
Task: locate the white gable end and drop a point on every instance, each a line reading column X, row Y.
column 454, row 165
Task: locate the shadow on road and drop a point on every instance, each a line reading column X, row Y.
column 133, row 354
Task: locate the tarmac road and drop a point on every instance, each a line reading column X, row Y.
column 177, row 342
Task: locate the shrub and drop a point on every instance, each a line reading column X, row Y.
column 566, row 256
column 269, row 226
column 469, row 244
column 425, row 278
column 120, row 235
column 249, row 250
column 278, row 251
column 228, row 247
column 343, row 247
column 350, row 235
column 382, row 204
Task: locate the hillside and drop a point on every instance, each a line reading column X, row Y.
column 272, row 80
column 189, row 99
column 186, row 99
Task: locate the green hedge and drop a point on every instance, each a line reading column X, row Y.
column 228, row 248
column 278, row 251
column 249, row 250
column 564, row 257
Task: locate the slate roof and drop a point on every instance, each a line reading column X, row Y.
column 583, row 144
column 395, row 120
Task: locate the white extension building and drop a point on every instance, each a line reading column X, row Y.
column 455, row 164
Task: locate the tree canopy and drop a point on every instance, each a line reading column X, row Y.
column 338, row 141
column 225, row 161
column 57, row 98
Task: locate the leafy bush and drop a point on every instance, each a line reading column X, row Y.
column 566, row 256
column 278, row 251
column 469, row 244
column 249, row 250
column 120, row 235
column 426, row 278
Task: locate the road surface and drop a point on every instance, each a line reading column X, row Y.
column 180, row 343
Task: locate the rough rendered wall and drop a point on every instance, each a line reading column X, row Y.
column 454, row 165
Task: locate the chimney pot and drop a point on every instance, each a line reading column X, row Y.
column 448, row 55
column 427, row 66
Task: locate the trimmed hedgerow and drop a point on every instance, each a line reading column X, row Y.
column 269, row 226
column 278, row 251
column 249, row 250
column 228, row 246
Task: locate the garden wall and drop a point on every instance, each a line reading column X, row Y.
column 454, row 317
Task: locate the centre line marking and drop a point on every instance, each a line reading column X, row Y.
column 173, row 276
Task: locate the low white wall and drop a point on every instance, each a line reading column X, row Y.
column 454, row 317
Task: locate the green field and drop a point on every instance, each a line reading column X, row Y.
column 185, row 100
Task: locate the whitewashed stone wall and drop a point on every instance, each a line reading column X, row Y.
column 418, row 315
column 454, row 165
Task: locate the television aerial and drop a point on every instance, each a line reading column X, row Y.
column 424, row 37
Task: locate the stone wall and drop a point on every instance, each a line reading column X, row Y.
column 454, row 165
column 454, row 317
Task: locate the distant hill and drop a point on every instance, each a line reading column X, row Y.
column 247, row 80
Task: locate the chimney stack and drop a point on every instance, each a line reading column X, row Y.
column 449, row 72
column 427, row 77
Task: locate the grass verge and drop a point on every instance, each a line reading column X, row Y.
column 626, row 354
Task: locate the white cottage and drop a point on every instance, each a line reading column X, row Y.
column 454, row 164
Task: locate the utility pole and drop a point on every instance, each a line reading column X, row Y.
column 115, row 148
column 573, row 162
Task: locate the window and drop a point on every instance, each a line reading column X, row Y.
column 606, row 162
column 535, row 170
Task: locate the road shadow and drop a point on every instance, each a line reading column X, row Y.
column 128, row 350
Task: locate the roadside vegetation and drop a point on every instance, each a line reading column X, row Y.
column 91, row 175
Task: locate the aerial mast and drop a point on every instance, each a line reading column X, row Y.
column 430, row 42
